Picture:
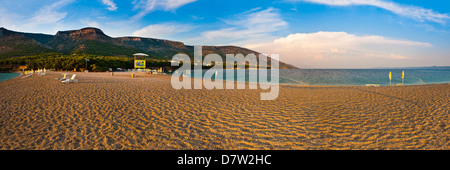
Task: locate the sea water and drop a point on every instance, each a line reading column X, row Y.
column 7, row 76
column 355, row 77
column 358, row 77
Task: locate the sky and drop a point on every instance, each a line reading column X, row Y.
column 305, row 33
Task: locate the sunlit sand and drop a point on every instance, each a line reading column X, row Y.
column 119, row 112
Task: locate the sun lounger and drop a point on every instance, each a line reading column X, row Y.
column 373, row 85
column 64, row 78
column 71, row 80
column 28, row 75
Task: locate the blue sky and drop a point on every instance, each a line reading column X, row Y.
column 306, row 33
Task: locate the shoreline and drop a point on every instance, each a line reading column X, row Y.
column 280, row 84
column 298, row 85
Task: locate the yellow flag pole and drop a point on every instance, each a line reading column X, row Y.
column 403, row 77
column 390, row 78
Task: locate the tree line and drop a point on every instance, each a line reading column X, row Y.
column 61, row 62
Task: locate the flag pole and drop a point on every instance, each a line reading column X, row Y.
column 403, row 77
column 134, row 75
column 390, row 78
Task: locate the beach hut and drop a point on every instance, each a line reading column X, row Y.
column 138, row 62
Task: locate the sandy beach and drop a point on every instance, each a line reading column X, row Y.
column 118, row 112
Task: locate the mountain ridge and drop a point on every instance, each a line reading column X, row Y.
column 91, row 40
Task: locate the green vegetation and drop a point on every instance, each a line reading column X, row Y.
column 106, row 49
column 25, row 49
column 12, row 46
column 96, row 63
column 59, row 61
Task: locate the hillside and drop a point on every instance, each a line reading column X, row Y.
column 95, row 41
column 17, row 45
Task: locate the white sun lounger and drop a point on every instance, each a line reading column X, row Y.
column 28, row 75
column 64, row 78
column 72, row 79
column 373, row 85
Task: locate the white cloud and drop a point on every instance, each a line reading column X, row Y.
column 7, row 19
column 147, row 6
column 254, row 25
column 162, row 30
column 111, row 5
column 49, row 14
column 89, row 23
column 340, row 50
column 414, row 12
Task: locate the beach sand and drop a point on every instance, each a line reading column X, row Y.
column 118, row 112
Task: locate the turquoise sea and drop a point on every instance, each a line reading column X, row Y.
column 358, row 77
column 7, row 76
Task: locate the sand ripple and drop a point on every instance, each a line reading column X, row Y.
column 104, row 112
